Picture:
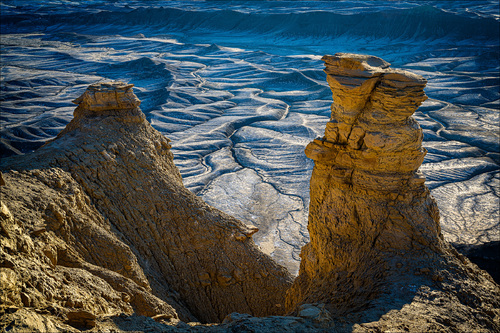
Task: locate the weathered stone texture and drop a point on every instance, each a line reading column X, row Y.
column 98, row 233
column 373, row 224
column 116, row 217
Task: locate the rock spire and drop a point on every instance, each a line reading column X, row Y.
column 375, row 238
column 119, row 215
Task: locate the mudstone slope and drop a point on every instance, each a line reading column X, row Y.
column 98, row 231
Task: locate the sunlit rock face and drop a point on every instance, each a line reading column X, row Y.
column 368, row 201
column 115, row 213
column 106, row 96
column 241, row 92
column 373, row 224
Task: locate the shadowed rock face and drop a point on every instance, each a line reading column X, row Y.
column 374, row 228
column 115, row 210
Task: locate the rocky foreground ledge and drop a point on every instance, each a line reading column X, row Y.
column 99, row 234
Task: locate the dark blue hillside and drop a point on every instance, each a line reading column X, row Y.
column 420, row 23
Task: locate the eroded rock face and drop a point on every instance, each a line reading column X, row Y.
column 100, row 98
column 59, row 256
column 104, row 203
column 98, row 233
column 375, row 235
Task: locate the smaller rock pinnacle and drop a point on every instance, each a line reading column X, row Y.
column 105, row 96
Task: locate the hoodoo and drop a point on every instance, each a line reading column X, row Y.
column 102, row 216
column 97, row 231
column 375, row 240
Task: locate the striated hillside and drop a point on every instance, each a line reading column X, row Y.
column 99, row 233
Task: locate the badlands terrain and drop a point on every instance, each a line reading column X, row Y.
column 99, row 233
column 194, row 211
column 239, row 88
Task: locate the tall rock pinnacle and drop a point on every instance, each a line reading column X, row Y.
column 374, row 227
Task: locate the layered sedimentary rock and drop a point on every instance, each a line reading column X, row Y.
column 375, row 241
column 98, row 221
column 97, row 231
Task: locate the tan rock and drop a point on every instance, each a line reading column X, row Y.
column 81, row 319
column 118, row 216
column 375, row 239
column 107, row 96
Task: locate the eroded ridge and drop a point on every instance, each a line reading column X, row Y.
column 116, row 216
column 374, row 227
